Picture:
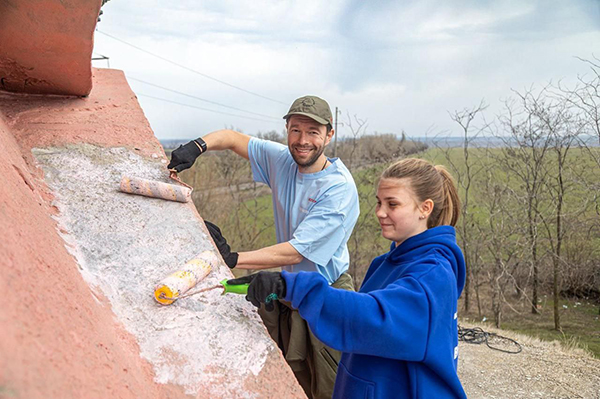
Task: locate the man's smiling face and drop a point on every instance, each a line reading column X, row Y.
column 307, row 139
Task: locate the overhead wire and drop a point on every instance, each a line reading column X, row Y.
column 204, row 109
column 192, row 70
column 201, row 99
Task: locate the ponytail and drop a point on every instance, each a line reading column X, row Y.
column 451, row 208
column 429, row 182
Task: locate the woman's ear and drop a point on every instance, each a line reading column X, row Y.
column 427, row 207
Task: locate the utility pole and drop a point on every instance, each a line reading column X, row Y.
column 335, row 131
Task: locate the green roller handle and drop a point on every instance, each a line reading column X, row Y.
column 241, row 289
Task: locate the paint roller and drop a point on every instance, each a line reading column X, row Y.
column 177, row 285
column 157, row 189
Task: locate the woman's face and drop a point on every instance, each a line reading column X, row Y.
column 399, row 213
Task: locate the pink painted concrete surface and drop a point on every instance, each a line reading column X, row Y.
column 110, row 116
column 60, row 339
column 46, row 45
column 57, row 340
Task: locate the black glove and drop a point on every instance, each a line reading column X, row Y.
column 265, row 287
column 230, row 258
column 184, row 156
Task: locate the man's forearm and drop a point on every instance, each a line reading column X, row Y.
column 227, row 140
column 278, row 255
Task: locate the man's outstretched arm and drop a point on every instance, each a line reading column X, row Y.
column 227, row 140
column 283, row 254
column 184, row 157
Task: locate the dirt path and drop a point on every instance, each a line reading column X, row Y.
column 541, row 370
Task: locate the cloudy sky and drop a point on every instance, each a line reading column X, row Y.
column 400, row 65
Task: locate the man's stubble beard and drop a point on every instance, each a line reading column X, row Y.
column 311, row 161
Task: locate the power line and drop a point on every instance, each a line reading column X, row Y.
column 202, row 99
column 204, row 109
column 191, row 70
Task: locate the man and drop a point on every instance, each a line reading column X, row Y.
column 315, row 202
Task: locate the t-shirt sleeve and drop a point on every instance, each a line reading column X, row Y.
column 323, row 230
column 263, row 155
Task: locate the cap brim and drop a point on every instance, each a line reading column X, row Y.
column 311, row 116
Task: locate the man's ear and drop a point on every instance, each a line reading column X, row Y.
column 329, row 136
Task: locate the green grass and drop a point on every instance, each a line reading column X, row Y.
column 580, row 324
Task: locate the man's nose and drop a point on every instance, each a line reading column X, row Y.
column 303, row 138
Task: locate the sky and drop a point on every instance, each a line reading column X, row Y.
column 398, row 65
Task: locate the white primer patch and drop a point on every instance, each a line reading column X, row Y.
column 125, row 244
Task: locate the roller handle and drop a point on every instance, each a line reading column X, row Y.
column 241, row 289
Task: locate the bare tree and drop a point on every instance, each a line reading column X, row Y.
column 465, row 170
column 501, row 236
column 585, row 98
column 563, row 129
column 357, row 127
column 526, row 143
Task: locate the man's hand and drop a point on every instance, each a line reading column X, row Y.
column 184, row 156
column 265, row 287
column 230, row 258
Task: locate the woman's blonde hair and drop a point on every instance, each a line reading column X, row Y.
column 429, row 182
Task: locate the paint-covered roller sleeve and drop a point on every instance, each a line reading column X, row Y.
column 155, row 189
column 178, row 283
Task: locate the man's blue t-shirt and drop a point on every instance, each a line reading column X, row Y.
column 314, row 212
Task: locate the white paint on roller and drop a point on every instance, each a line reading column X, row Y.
column 125, row 244
column 155, row 189
column 178, row 283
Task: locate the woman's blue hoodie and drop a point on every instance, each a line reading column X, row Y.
column 398, row 334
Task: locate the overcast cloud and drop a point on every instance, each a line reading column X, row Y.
column 402, row 65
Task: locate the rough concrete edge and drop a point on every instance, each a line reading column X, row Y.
column 50, row 87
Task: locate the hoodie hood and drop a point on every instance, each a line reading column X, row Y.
column 442, row 239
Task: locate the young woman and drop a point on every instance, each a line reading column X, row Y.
column 398, row 334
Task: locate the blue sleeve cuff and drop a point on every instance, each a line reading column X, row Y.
column 290, row 279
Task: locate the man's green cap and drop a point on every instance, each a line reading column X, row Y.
column 312, row 106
